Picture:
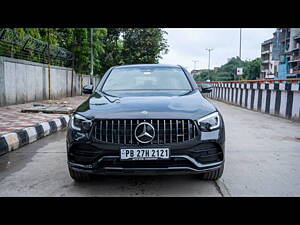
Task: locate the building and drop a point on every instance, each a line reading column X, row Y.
column 294, row 53
column 281, row 55
column 269, row 64
column 289, row 60
column 283, row 41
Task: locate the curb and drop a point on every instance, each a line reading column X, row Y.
column 14, row 140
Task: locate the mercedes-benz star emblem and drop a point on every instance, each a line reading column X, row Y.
column 144, row 132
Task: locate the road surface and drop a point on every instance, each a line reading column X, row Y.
column 262, row 159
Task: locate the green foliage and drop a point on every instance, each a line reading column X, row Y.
column 111, row 46
column 251, row 70
column 143, row 45
column 81, row 48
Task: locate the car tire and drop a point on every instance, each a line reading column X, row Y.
column 213, row 175
column 78, row 176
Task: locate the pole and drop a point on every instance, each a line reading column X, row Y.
column 240, row 55
column 92, row 57
column 240, row 52
column 209, row 50
column 195, row 61
column 208, row 60
column 49, row 80
column 81, row 84
column 72, row 74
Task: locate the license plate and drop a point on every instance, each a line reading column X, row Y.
column 145, row 154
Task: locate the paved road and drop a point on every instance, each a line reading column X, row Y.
column 262, row 159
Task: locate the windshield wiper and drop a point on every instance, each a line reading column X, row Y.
column 185, row 93
column 110, row 95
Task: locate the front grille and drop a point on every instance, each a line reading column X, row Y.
column 166, row 131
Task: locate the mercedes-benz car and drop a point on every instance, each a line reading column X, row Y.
column 146, row 119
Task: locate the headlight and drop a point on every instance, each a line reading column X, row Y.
column 80, row 123
column 210, row 122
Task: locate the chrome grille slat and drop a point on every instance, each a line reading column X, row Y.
column 189, row 129
column 183, row 130
column 177, row 130
column 171, row 131
column 101, row 131
column 106, row 130
column 112, row 131
column 164, row 132
column 118, row 131
column 124, row 131
column 152, row 140
column 131, row 132
column 121, row 131
column 157, row 131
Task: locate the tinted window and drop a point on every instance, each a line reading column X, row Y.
column 146, row 78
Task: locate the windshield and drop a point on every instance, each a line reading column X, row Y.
column 146, row 79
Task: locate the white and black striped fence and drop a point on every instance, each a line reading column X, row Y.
column 282, row 99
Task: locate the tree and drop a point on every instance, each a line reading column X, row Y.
column 231, row 66
column 81, row 50
column 143, row 45
column 252, row 69
column 111, row 46
column 227, row 71
column 98, row 49
column 203, row 76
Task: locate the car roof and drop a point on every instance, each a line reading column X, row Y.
column 147, row 65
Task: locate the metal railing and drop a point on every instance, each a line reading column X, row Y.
column 290, row 80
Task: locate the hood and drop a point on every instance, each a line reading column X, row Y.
column 190, row 106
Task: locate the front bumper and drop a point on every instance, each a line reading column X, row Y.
column 204, row 153
column 194, row 168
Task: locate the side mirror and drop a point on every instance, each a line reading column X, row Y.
column 87, row 89
column 206, row 88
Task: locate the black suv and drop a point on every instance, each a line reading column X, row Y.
column 146, row 119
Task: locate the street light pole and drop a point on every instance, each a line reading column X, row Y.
column 240, row 55
column 195, row 61
column 209, row 50
column 49, row 62
column 92, row 57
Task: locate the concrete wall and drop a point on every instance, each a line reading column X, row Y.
column 23, row 81
column 278, row 99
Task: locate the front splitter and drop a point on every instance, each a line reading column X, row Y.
column 145, row 171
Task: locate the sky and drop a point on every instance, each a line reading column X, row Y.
column 188, row 44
